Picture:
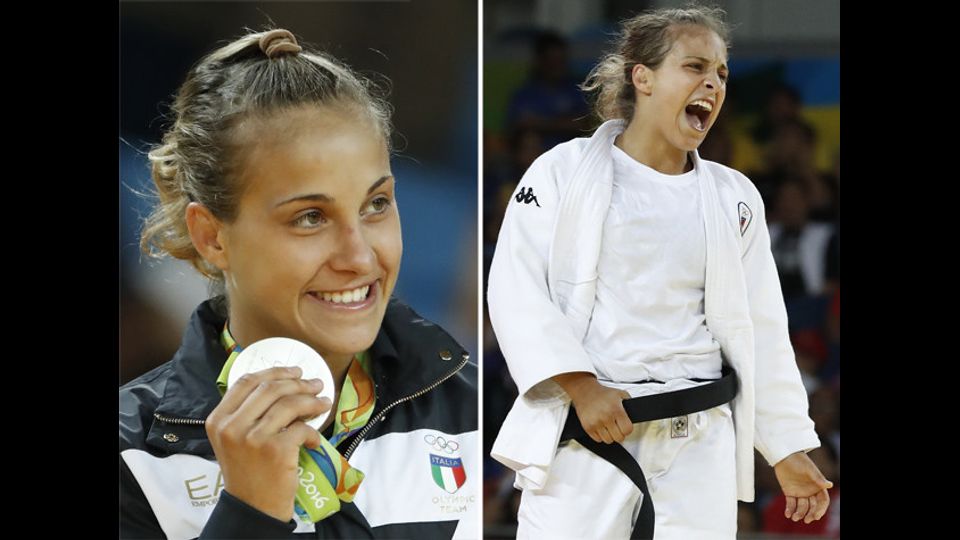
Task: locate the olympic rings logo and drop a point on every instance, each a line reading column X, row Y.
column 442, row 444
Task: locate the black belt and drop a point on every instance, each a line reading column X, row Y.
column 644, row 409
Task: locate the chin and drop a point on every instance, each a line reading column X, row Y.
column 687, row 146
column 350, row 344
column 697, row 143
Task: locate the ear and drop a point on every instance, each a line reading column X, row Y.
column 207, row 234
column 642, row 78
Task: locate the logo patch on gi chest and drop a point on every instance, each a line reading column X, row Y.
column 746, row 216
column 678, row 427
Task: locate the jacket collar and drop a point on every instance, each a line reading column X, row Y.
column 408, row 355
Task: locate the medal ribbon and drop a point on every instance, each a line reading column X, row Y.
column 326, row 477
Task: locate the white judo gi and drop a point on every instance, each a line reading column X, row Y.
column 541, row 295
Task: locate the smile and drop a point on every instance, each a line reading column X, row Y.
column 357, row 298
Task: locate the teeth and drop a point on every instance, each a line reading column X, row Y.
column 346, row 297
column 704, row 103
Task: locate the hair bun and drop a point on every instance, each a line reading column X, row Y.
column 277, row 42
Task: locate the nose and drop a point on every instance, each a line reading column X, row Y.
column 713, row 80
column 354, row 252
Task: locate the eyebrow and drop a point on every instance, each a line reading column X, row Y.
column 724, row 66
column 322, row 197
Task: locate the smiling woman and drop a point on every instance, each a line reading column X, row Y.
column 318, row 195
column 274, row 181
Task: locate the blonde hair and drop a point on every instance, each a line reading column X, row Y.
column 644, row 39
column 253, row 75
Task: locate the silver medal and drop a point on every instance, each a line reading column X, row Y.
column 284, row 352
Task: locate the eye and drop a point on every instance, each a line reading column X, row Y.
column 698, row 67
column 377, row 205
column 310, row 220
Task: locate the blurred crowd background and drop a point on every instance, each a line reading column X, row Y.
column 780, row 125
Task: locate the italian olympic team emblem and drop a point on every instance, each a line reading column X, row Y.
column 445, row 463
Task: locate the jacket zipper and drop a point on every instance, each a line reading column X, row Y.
column 179, row 421
column 378, row 417
column 363, row 432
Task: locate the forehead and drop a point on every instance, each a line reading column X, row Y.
column 308, row 148
column 698, row 41
column 284, row 129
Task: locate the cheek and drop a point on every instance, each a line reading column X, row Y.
column 388, row 244
column 300, row 259
column 393, row 246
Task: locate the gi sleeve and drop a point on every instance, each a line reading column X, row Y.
column 783, row 425
column 536, row 339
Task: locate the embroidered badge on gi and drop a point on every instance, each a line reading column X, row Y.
column 526, row 196
column 746, row 216
column 678, row 427
column 446, row 465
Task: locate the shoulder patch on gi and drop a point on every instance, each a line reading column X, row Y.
column 746, row 216
column 526, row 196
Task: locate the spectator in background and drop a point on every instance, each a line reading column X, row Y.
column 523, row 146
column 783, row 105
column 810, row 353
column 550, row 102
column 830, row 372
column 791, row 155
column 799, row 245
column 825, row 412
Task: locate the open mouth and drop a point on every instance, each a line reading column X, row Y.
column 698, row 113
column 348, row 297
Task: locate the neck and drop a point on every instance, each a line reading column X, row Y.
column 339, row 364
column 244, row 334
column 640, row 143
